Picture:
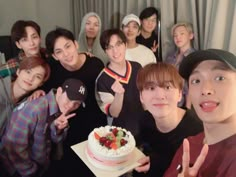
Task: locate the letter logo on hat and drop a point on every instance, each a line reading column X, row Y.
column 75, row 89
column 82, row 90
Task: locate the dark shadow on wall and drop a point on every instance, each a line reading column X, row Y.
column 8, row 47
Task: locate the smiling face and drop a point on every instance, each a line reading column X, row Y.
column 116, row 49
column 30, row 44
column 66, row 52
column 30, row 79
column 160, row 87
column 212, row 88
column 131, row 30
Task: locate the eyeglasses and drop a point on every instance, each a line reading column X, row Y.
column 117, row 44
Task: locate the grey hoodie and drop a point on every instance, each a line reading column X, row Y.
column 83, row 45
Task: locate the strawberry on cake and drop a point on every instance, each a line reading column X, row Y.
column 110, row 147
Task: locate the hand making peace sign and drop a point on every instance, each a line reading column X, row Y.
column 62, row 121
column 192, row 171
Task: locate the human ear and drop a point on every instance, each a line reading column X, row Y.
column 142, row 102
column 139, row 31
column 76, row 44
column 140, row 97
column 17, row 72
column 180, row 96
column 191, row 36
column 18, row 45
column 55, row 57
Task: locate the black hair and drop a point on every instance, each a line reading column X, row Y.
column 106, row 36
column 18, row 29
column 148, row 12
column 52, row 36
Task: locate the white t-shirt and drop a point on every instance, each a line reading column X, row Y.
column 140, row 54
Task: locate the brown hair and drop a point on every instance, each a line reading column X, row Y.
column 34, row 61
column 53, row 35
column 18, row 29
column 159, row 73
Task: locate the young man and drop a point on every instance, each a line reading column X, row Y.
column 165, row 125
column 148, row 37
column 183, row 36
column 31, row 74
column 116, row 84
column 135, row 52
column 26, row 36
column 35, row 124
column 68, row 63
column 89, row 36
column 211, row 77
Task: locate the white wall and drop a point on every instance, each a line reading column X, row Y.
column 47, row 13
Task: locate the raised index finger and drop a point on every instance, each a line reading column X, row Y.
column 186, row 155
column 154, row 43
column 70, row 116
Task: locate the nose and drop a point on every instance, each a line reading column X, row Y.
column 207, row 88
column 65, row 53
column 31, row 41
column 30, row 78
column 177, row 37
column 130, row 28
column 114, row 48
column 92, row 26
column 150, row 22
column 159, row 93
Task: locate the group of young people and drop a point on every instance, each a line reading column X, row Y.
column 120, row 82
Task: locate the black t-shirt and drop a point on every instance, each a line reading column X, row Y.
column 148, row 42
column 89, row 117
column 161, row 147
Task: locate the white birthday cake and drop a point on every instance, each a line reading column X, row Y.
column 110, row 147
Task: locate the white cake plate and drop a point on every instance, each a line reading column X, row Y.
column 80, row 151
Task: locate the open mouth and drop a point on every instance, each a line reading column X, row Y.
column 209, row 106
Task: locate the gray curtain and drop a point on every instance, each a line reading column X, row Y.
column 111, row 12
column 213, row 20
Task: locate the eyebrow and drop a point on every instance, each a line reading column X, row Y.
column 57, row 49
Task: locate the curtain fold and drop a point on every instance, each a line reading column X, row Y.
column 213, row 21
column 111, row 12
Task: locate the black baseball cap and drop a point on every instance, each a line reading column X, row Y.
column 75, row 89
column 189, row 63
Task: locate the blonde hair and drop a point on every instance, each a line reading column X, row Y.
column 187, row 25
